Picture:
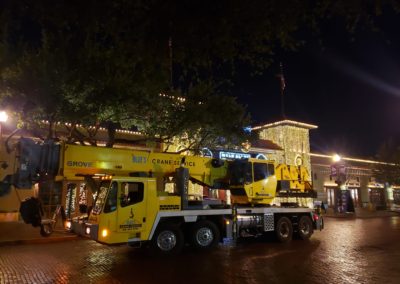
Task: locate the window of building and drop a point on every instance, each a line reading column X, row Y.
column 330, row 196
column 354, row 195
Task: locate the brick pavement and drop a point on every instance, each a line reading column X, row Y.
column 19, row 232
column 74, row 261
column 347, row 251
column 66, row 258
column 361, row 213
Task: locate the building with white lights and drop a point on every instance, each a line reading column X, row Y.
column 343, row 183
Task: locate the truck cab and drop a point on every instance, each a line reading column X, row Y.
column 252, row 181
column 125, row 211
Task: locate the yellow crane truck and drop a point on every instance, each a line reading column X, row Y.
column 143, row 197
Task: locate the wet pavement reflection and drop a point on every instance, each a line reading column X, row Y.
column 347, row 251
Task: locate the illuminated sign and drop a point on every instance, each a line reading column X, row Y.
column 233, row 155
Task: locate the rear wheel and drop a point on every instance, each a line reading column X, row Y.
column 205, row 235
column 305, row 228
column 46, row 230
column 284, row 230
column 168, row 239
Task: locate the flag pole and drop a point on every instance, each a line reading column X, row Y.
column 283, row 86
column 171, row 79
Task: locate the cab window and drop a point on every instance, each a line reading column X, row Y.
column 111, row 202
column 131, row 193
column 248, row 173
column 271, row 169
column 260, row 171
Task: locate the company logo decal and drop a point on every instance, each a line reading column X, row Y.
column 81, row 164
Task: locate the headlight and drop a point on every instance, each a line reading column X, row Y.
column 104, row 233
column 87, row 231
column 68, row 225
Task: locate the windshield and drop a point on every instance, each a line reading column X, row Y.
column 239, row 172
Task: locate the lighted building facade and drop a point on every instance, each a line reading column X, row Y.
column 355, row 188
column 294, row 139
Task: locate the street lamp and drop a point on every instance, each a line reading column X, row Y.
column 336, row 158
column 3, row 118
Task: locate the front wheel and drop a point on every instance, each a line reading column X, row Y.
column 168, row 239
column 205, row 235
column 46, row 229
column 284, row 230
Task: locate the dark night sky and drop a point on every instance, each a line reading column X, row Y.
column 349, row 88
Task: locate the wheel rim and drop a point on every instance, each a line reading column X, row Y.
column 304, row 228
column 166, row 240
column 284, row 230
column 47, row 229
column 204, row 236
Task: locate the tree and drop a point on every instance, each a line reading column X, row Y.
column 389, row 171
column 107, row 62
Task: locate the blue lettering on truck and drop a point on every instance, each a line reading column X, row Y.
column 139, row 159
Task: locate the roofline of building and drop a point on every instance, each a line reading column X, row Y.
column 93, row 127
column 286, row 122
column 352, row 159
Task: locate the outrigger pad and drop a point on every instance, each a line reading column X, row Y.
column 30, row 210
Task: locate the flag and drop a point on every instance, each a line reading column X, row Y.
column 282, row 78
column 283, row 84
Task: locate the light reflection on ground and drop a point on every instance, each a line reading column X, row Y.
column 347, row 251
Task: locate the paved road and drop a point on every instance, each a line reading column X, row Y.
column 347, row 251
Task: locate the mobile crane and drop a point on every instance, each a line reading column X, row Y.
column 133, row 206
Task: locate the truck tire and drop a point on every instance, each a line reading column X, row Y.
column 168, row 239
column 305, row 228
column 205, row 235
column 46, row 230
column 284, row 230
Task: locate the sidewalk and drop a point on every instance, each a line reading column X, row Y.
column 20, row 233
column 361, row 213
